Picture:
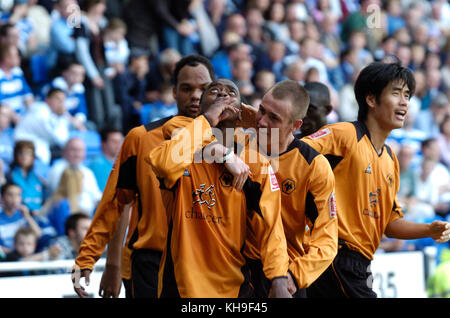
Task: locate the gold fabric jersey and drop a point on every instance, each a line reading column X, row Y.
column 208, row 217
column 307, row 204
column 130, row 180
column 366, row 183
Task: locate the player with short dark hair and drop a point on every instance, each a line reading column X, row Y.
column 318, row 109
column 133, row 183
column 367, row 180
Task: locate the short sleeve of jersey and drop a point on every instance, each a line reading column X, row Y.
column 333, row 140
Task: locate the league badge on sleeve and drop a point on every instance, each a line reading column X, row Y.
column 332, row 205
column 273, row 180
column 320, row 133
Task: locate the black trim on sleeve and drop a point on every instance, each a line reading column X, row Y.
column 333, row 160
column 252, row 191
column 127, row 174
column 311, row 208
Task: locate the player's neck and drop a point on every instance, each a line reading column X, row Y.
column 284, row 143
column 378, row 134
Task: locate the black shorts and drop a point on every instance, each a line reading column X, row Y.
column 144, row 273
column 261, row 284
column 348, row 276
column 127, row 286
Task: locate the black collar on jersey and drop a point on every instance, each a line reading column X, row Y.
column 361, row 130
column 308, row 152
column 157, row 123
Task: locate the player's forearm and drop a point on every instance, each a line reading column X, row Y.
column 114, row 254
column 170, row 159
column 407, row 230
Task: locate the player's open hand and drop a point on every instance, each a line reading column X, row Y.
column 111, row 282
column 76, row 280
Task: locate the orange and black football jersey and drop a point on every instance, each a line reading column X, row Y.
column 366, row 183
column 307, row 204
column 208, row 217
column 131, row 180
column 308, row 210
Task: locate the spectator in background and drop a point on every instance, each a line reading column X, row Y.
column 27, row 36
column 161, row 71
column 13, row 215
column 143, row 24
column 47, row 124
column 14, row 89
column 394, row 17
column 162, row 108
column 6, row 139
column 117, row 51
column 348, row 106
column 102, row 164
column 407, row 188
column 357, row 21
column 309, row 49
column 428, row 120
column 71, row 82
column 74, row 153
column 25, row 249
column 130, row 89
column 23, row 174
column 417, row 56
column 275, row 22
column 61, row 50
column 223, row 60
column 76, row 227
column 177, row 25
column 443, row 139
column 273, row 60
column 445, row 71
column 432, row 180
column 65, row 200
column 433, row 87
column 208, row 39
column 217, row 12
column 242, row 76
column 295, row 71
column 9, row 34
column 263, row 80
column 90, row 51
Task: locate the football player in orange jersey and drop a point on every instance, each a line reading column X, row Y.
column 132, row 184
column 367, row 180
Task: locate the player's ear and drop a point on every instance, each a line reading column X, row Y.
column 297, row 124
column 328, row 109
column 371, row 100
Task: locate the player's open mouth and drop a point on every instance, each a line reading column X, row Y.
column 400, row 114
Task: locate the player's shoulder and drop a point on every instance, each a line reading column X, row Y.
column 340, row 131
column 159, row 123
column 303, row 150
column 136, row 133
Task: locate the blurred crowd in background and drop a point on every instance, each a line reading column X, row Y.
column 76, row 76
